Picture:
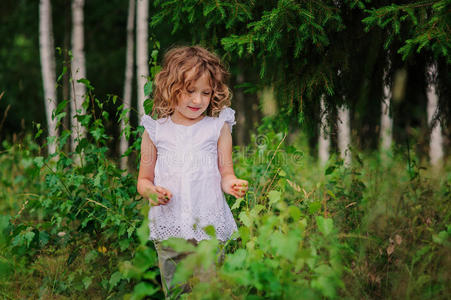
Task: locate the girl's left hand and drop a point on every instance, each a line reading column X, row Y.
column 235, row 187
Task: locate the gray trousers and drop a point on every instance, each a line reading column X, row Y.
column 168, row 260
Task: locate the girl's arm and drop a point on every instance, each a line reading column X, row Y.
column 145, row 185
column 230, row 184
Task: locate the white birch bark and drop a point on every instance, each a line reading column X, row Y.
column 128, row 80
column 47, row 55
column 386, row 120
column 142, row 55
column 436, row 138
column 344, row 134
column 324, row 139
column 78, row 67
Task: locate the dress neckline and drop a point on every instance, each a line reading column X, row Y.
column 170, row 119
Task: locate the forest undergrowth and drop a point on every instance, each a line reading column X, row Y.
column 73, row 225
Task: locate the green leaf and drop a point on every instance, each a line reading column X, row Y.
column 329, row 170
column 86, row 82
column 39, row 161
column 325, row 285
column 91, row 256
column 331, row 194
column 143, row 232
column 325, row 226
column 294, row 212
column 145, row 258
column 144, row 289
column 440, row 238
column 124, row 244
column 210, row 230
column 4, row 222
column 237, row 203
column 236, row 260
column 314, row 207
column 87, row 282
column 274, row 197
column 43, row 238
column 97, row 133
column 286, row 245
column 148, row 88
column 244, row 234
column 115, row 278
column 28, row 236
column 244, row 217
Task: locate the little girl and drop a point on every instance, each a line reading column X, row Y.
column 186, row 154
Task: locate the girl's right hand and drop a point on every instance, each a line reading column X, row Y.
column 163, row 196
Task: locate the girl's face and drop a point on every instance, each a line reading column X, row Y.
column 195, row 99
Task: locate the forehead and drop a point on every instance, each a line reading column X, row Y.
column 196, row 77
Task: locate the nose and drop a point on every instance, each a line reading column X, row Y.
column 196, row 99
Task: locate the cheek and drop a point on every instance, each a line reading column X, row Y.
column 183, row 100
column 206, row 99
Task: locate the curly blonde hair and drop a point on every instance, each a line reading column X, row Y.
column 172, row 80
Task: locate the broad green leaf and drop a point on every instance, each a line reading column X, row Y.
column 148, row 88
column 144, row 289
column 244, row 234
column 114, row 279
column 29, row 237
column 143, row 232
column 210, row 230
column 294, row 212
column 237, row 203
column 244, row 217
column 236, row 260
column 87, row 282
column 274, row 197
column 325, row 226
column 314, row 207
column 440, row 238
column 39, row 161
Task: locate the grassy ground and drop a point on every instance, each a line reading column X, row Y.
column 388, row 235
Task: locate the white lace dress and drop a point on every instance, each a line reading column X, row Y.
column 187, row 165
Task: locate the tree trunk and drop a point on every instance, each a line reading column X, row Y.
column 78, row 70
column 386, row 120
column 324, row 139
column 47, row 52
column 66, row 88
column 344, row 134
column 436, row 139
column 128, row 82
column 142, row 55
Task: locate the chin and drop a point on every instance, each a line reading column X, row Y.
column 192, row 114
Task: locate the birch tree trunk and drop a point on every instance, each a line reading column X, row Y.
column 436, row 139
column 142, row 55
column 386, row 120
column 344, row 134
column 324, row 139
column 128, row 81
column 47, row 54
column 78, row 68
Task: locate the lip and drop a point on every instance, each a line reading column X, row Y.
column 194, row 108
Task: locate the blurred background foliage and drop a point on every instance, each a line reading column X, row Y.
column 301, row 50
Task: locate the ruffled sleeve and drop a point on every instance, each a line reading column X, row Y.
column 227, row 115
column 150, row 125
